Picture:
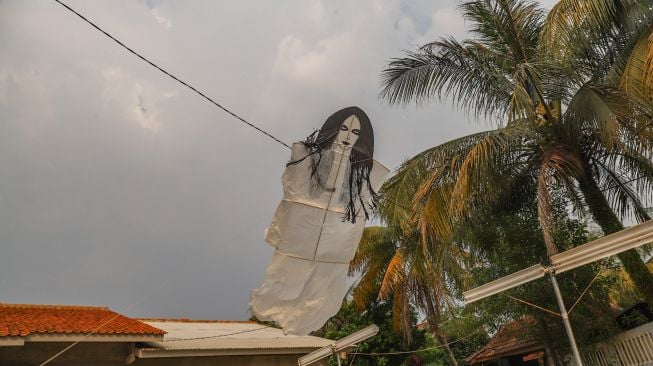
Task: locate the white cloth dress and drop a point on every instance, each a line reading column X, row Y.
column 305, row 282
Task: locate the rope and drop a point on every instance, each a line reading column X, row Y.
column 142, row 299
column 79, row 340
column 584, row 292
column 173, row 76
column 353, row 358
column 533, row 305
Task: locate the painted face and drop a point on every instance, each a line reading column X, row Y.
column 348, row 134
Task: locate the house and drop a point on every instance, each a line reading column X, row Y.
column 238, row 343
column 32, row 334
column 512, row 345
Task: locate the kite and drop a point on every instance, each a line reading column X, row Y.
column 329, row 190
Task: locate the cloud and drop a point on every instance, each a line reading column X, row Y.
column 166, row 22
column 125, row 94
column 312, row 63
column 448, row 22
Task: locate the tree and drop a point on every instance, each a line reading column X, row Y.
column 572, row 95
column 396, row 266
column 388, row 340
column 506, row 237
column 498, row 240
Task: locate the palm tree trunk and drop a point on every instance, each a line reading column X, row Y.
column 442, row 339
column 433, row 318
column 610, row 223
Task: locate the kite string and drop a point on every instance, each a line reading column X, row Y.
column 173, row 76
column 326, row 212
column 199, row 92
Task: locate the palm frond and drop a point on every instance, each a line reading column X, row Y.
column 435, row 166
column 622, row 197
column 571, row 21
column 484, row 160
column 375, row 250
column 473, row 78
column 600, row 110
column 637, row 76
column 394, row 275
column 507, row 26
column 558, row 166
column 401, row 311
column 614, row 171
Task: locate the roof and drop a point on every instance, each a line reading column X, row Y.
column 21, row 320
column 226, row 337
column 510, row 340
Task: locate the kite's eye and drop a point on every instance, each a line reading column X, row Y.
column 344, row 128
column 356, row 131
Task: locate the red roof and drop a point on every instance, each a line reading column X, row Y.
column 511, row 339
column 23, row 319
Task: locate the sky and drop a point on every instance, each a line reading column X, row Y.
column 119, row 187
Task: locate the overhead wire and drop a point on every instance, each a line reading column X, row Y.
column 189, row 86
column 210, row 337
column 418, row 350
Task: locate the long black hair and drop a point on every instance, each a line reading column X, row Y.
column 360, row 158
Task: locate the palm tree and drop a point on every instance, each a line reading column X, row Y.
column 572, row 95
column 399, row 266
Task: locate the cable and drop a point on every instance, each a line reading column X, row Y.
column 174, row 77
column 416, row 351
column 79, row 340
column 145, row 296
column 190, row 86
column 209, row 337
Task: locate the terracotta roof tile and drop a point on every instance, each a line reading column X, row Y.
column 25, row 319
column 511, row 338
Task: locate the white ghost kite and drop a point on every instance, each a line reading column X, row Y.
column 329, row 189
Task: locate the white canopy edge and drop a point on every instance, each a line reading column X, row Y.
column 604, row 247
column 505, row 283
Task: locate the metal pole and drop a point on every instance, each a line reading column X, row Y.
column 565, row 320
column 338, row 358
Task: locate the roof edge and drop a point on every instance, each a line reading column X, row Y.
column 167, row 353
column 54, row 306
column 85, row 337
column 186, row 320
